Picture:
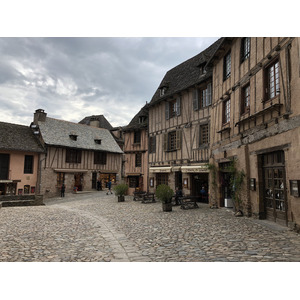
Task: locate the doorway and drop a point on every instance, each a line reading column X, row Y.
column 78, row 177
column 199, row 186
column 274, row 197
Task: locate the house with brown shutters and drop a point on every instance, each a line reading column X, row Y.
column 19, row 160
column 77, row 155
column 135, row 136
column 255, row 119
column 179, row 126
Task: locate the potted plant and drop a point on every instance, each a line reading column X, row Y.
column 164, row 193
column 120, row 191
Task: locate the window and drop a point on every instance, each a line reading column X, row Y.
column 73, row 137
column 98, row 141
column 227, row 65
column 152, row 144
column 173, row 108
column 272, row 80
column 137, row 137
column 245, row 99
column 138, row 159
column 204, row 135
column 99, row 158
column 161, row 178
column 202, row 97
column 28, row 164
column 73, row 156
column 226, row 111
column 4, row 166
column 133, row 181
column 245, row 48
column 172, row 140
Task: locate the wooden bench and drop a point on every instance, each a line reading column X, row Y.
column 188, row 202
column 138, row 196
column 148, row 197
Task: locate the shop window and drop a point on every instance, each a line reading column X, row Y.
column 133, row 181
column 161, row 178
column 26, row 189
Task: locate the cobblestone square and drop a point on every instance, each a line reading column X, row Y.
column 94, row 227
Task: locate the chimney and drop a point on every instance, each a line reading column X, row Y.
column 39, row 116
column 94, row 121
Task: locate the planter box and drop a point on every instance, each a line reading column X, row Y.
column 167, row 206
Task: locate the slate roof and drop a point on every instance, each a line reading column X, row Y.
column 57, row 133
column 103, row 123
column 135, row 122
column 18, row 138
column 186, row 74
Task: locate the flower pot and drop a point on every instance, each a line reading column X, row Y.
column 121, row 198
column 167, row 206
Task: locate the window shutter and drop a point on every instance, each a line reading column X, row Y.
column 209, row 94
column 178, row 100
column 167, row 111
column 165, row 141
column 195, row 100
column 178, row 139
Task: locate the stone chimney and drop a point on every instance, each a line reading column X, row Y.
column 39, row 116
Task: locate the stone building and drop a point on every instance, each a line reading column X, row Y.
column 136, row 152
column 76, row 154
column 255, row 120
column 179, row 126
column 19, row 160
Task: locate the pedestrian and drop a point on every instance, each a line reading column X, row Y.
column 109, row 187
column 62, row 190
column 203, row 194
column 178, row 196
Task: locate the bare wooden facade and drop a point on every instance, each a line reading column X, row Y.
column 255, row 119
column 179, row 126
column 136, row 152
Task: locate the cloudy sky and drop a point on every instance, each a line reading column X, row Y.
column 71, row 78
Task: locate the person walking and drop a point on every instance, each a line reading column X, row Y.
column 109, row 188
column 62, row 190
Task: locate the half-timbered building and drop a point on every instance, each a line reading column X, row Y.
column 255, row 119
column 179, row 126
column 77, row 155
column 136, row 152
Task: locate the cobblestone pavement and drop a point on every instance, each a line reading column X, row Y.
column 95, row 227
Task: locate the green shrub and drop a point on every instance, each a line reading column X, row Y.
column 164, row 193
column 120, row 189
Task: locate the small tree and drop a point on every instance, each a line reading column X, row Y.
column 164, row 193
column 236, row 182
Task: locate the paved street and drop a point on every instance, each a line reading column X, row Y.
column 95, row 227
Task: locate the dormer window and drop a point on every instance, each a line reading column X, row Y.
column 98, row 141
column 142, row 119
column 202, row 69
column 163, row 91
column 73, row 137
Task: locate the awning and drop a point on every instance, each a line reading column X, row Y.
column 195, row 169
column 133, row 174
column 160, row 170
column 70, row 170
column 6, row 181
